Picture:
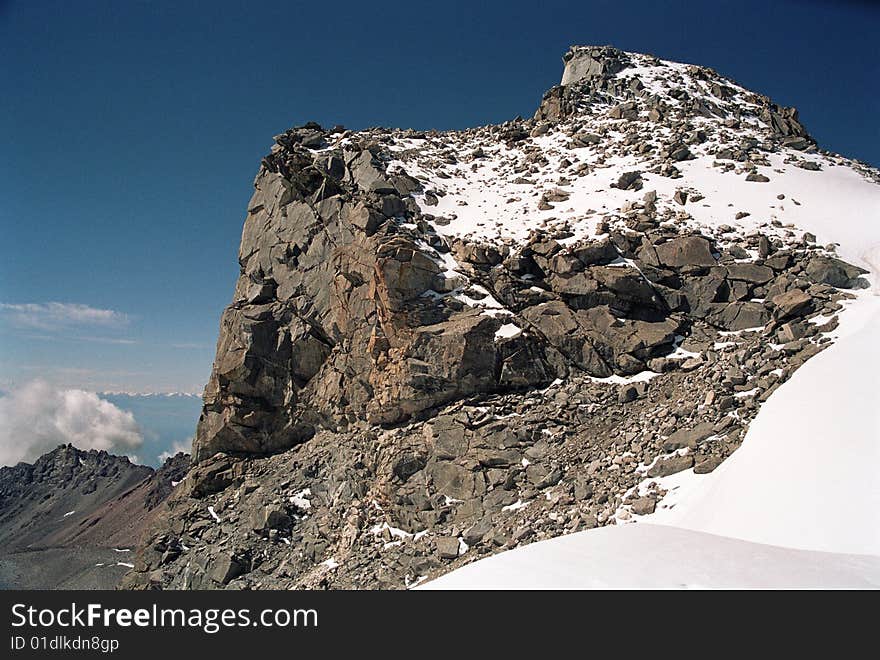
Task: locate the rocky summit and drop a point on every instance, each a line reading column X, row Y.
column 446, row 344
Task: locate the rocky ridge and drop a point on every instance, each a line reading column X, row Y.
column 73, row 517
column 446, row 344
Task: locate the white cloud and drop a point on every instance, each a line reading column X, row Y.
column 38, row 417
column 56, row 315
column 178, row 446
column 109, row 340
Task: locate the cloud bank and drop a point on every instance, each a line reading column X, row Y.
column 38, row 417
column 56, row 315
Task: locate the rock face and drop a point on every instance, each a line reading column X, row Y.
column 439, row 348
column 591, row 62
column 336, row 315
column 343, row 313
column 71, row 518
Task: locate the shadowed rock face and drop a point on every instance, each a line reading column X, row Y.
column 342, row 312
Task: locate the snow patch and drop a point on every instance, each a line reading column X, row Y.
column 507, row 331
column 301, row 499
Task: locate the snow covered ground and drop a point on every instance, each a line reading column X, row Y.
column 494, row 196
column 654, row 556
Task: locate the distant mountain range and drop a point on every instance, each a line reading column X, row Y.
column 72, row 519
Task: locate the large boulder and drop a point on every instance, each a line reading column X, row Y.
column 792, row 303
column 679, row 253
column 588, row 62
column 561, row 327
column 740, row 316
column 828, row 270
column 751, row 273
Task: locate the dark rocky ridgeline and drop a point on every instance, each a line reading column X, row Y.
column 72, row 518
column 388, row 402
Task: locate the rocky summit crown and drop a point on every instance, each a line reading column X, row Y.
column 584, row 62
column 597, row 73
column 442, row 344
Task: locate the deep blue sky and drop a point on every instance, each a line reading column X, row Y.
column 130, row 133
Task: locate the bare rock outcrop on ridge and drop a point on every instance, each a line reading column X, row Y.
column 333, row 320
column 442, row 345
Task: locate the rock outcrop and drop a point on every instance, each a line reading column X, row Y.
column 591, row 78
column 445, row 344
column 336, row 316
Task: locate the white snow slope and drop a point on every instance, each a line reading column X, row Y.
column 798, row 505
column 659, row 557
column 806, row 474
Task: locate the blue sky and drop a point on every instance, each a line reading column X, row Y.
column 130, row 133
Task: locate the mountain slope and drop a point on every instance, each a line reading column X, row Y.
column 72, row 517
column 801, row 480
column 801, row 489
column 444, row 345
